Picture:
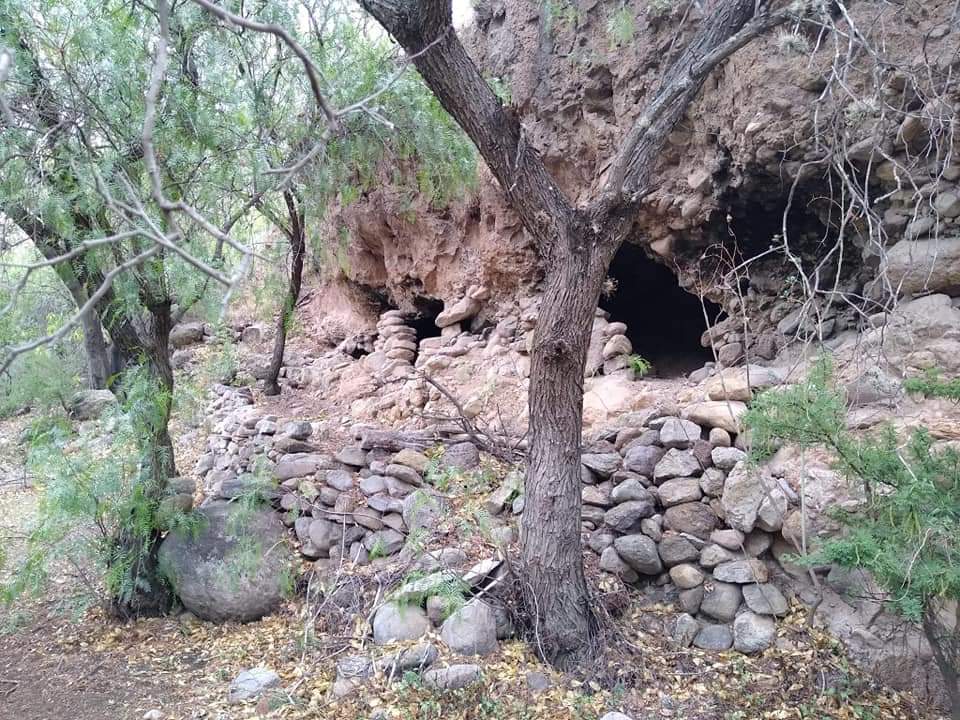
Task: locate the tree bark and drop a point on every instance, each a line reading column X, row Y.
column 577, row 245
column 297, row 234
column 142, row 590
column 945, row 645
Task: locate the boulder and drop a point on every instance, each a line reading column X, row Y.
column 186, row 333
column 395, row 622
column 90, row 404
column 642, row 459
column 232, row 566
column 675, row 549
column 639, row 552
column 725, row 458
column 611, row 562
column 463, row 309
column 680, row 490
column 679, row 433
column 684, row 630
column 423, row 509
column 739, row 383
column 695, row 518
column 721, row 600
column 622, row 517
column 677, row 463
column 723, row 414
column 686, row 576
column 753, row 633
column 471, row 630
column 924, row 266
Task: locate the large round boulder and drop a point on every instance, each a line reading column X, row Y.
column 233, row 564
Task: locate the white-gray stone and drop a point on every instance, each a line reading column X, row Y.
column 251, row 684
column 753, row 633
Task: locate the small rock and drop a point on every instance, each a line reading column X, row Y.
column 630, row 489
column 603, row 464
column 765, row 599
column 611, row 562
column 721, row 600
column 685, row 629
column 726, row 458
column 741, row 571
column 153, row 715
column 471, row 630
column 753, row 633
column 640, row 553
column 623, row 516
column 676, row 463
column 676, row 549
column 453, row 677
column 714, row 637
column 537, row 681
column 251, row 684
column 720, row 438
column 686, row 576
column 679, row 433
column 395, row 623
column 694, row 518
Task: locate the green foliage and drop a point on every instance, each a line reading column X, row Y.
column 640, row 365
column 621, row 28
column 931, row 385
column 94, row 490
column 905, row 533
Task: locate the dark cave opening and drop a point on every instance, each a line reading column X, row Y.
column 664, row 321
column 424, row 319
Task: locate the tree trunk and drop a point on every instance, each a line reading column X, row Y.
column 945, row 644
column 142, row 590
column 99, row 364
column 298, row 244
column 554, row 583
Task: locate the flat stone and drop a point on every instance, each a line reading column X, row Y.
column 413, row 459
column 404, row 473
column 680, row 490
column 679, row 433
column 603, row 464
column 765, row 599
column 741, row 572
column 353, row 456
column 251, row 684
column 340, row 480
column 713, row 555
column 622, row 517
column 676, row 463
column 714, row 637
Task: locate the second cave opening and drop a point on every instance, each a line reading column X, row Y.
column 664, row 321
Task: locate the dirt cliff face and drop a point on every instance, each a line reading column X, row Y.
column 852, row 145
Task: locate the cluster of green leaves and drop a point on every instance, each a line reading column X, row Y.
column 52, row 373
column 92, row 491
column 905, row 532
column 621, row 27
column 931, row 384
column 639, row 364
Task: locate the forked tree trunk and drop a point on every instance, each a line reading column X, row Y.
column 297, row 235
column 577, row 246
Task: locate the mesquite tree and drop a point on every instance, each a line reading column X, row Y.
column 577, row 244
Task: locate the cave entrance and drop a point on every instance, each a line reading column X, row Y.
column 424, row 318
column 664, row 321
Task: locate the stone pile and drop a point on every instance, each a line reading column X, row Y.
column 674, row 502
column 397, row 343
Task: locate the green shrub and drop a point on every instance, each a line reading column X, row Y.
column 906, row 531
column 640, row 365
